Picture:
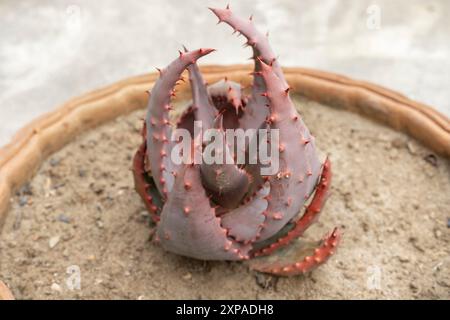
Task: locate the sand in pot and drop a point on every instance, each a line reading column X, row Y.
column 389, row 194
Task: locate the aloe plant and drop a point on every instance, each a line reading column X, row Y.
column 231, row 211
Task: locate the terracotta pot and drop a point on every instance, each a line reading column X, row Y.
column 20, row 159
column 5, row 293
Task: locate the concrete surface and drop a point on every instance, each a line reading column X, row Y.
column 51, row 51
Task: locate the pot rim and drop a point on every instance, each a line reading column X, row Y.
column 5, row 293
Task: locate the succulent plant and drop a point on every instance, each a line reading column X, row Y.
column 231, row 211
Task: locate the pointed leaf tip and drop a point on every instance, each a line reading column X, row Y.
column 205, row 51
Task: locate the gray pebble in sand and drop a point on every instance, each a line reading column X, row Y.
column 23, row 201
column 82, row 173
column 63, row 218
column 54, row 162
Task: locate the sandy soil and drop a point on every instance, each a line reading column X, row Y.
column 390, row 195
